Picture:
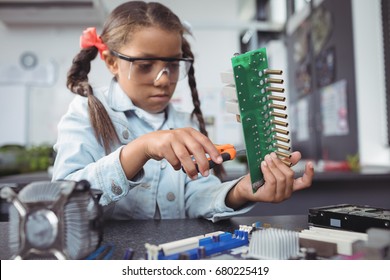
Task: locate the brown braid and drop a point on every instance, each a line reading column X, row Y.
column 77, row 82
column 219, row 171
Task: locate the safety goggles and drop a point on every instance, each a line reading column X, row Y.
column 147, row 70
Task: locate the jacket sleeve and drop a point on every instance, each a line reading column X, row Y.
column 80, row 156
column 205, row 197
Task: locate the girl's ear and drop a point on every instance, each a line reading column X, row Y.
column 111, row 62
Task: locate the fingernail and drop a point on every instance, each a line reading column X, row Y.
column 273, row 155
column 219, row 159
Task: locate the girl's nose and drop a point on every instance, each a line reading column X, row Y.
column 160, row 74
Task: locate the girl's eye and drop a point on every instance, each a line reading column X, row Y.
column 174, row 66
column 144, row 67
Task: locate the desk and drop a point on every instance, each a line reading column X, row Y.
column 135, row 233
column 370, row 186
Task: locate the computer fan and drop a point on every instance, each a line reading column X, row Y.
column 54, row 220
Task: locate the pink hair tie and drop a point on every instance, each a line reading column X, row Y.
column 91, row 39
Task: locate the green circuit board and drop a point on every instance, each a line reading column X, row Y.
column 261, row 111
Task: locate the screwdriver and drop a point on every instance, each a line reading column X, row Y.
column 227, row 151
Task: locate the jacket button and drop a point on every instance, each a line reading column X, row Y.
column 116, row 189
column 163, row 164
column 125, row 134
column 171, row 196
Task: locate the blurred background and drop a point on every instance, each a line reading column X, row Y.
column 334, row 55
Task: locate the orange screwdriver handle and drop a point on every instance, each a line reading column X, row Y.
column 227, row 148
column 227, row 151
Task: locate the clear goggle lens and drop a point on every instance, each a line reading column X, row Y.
column 149, row 70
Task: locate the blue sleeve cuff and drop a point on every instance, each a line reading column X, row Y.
column 113, row 180
column 225, row 212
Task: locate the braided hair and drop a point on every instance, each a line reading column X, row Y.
column 218, row 169
column 117, row 31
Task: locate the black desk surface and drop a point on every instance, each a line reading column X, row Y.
column 135, row 233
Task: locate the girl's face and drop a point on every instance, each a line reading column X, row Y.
column 148, row 83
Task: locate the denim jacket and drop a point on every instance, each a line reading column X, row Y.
column 157, row 191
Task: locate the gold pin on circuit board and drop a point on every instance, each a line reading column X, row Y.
column 282, row 150
column 259, row 104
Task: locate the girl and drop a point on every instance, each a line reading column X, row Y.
column 128, row 140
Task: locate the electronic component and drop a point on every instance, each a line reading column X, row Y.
column 274, row 244
column 324, row 249
column 350, row 217
column 198, row 247
column 260, row 241
column 344, row 240
column 247, row 242
column 227, row 152
column 129, row 254
column 104, row 252
column 259, row 107
column 377, row 246
column 54, row 220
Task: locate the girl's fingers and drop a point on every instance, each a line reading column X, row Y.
column 208, row 148
column 295, row 157
column 268, row 190
column 306, row 180
column 199, row 157
column 191, row 152
column 190, row 148
column 279, row 179
column 173, row 160
column 287, row 177
column 185, row 147
column 185, row 159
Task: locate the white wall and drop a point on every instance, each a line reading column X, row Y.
column 370, row 83
column 49, row 101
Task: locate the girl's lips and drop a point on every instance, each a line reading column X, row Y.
column 160, row 95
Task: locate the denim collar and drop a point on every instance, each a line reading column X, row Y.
column 118, row 99
column 120, row 102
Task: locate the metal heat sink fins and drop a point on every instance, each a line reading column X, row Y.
column 274, row 244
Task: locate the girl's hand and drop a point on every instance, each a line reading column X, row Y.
column 180, row 147
column 279, row 182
